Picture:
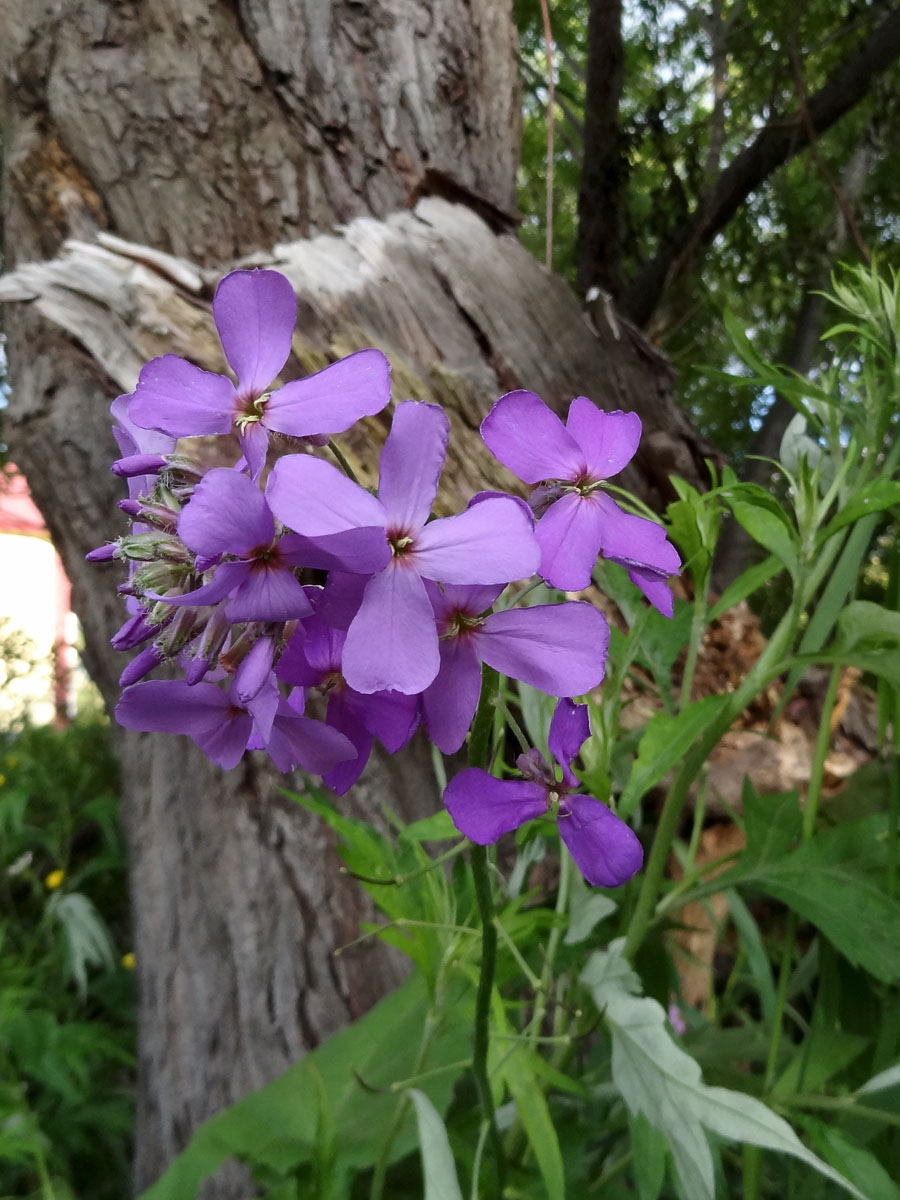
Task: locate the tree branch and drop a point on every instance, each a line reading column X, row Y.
column 775, row 145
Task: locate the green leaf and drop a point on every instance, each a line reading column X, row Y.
column 854, row 1161
column 648, row 1148
column 842, row 897
column 823, row 1053
column 875, row 497
column 521, row 1079
column 661, row 1081
column 772, row 824
column 866, row 626
column 665, row 742
column 277, row 1126
column 745, row 585
column 586, row 909
column 888, row 1078
column 766, row 523
column 438, row 1168
column 757, row 959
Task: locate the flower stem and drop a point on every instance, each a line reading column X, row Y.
column 344, row 464
column 479, row 747
column 768, row 666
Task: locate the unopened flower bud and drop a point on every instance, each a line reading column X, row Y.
column 103, row 553
column 255, row 669
column 140, row 666
column 138, row 464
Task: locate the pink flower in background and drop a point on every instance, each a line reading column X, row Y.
column 577, row 519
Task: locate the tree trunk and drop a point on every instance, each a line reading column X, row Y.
column 215, row 131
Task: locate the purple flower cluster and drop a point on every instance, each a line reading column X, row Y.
column 264, row 591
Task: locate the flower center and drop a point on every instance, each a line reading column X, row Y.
column 460, row 623
column 253, row 408
column 400, row 544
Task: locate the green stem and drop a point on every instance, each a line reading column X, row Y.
column 562, row 904
column 768, row 666
column 823, row 741
column 481, row 1034
column 784, row 975
column 698, row 625
column 339, row 455
column 479, row 748
column 752, row 1164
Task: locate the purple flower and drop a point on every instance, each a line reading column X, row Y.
column 228, row 514
column 558, row 648
column 224, row 727
column 578, row 519
column 312, row 659
column 605, row 849
column 392, row 641
column 255, row 312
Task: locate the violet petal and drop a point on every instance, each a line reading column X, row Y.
column 255, row 312
column 227, row 514
column 609, row 440
column 341, row 717
column 175, row 397
column 570, row 728
column 559, row 649
column 411, row 464
column 484, row 808
column 449, row 703
column 605, row 849
column 270, row 592
column 492, row 542
column 315, row 499
column 392, row 642
column 530, row 440
column 569, row 534
column 333, row 399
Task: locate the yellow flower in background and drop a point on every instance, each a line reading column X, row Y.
column 2, row 780
column 54, row 879
column 128, row 961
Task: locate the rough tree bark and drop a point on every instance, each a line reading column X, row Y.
column 216, row 131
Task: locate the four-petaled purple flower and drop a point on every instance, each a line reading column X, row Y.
column 392, row 641
column 605, row 849
column 255, row 313
column 578, row 520
column 558, row 648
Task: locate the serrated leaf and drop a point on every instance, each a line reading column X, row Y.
column 664, row 743
column 438, row 1168
column 657, row 1078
